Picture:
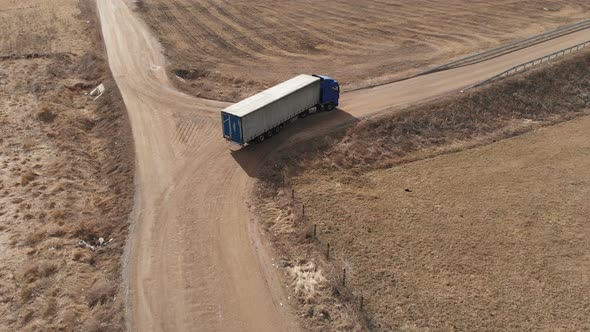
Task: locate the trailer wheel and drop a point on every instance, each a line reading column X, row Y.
column 304, row 114
column 319, row 108
column 330, row 107
column 268, row 134
column 277, row 129
column 260, row 138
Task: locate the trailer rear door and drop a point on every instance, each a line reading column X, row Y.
column 232, row 127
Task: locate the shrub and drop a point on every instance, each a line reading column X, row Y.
column 101, row 292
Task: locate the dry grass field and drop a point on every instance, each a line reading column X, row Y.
column 438, row 224
column 66, row 171
column 490, row 239
column 228, row 50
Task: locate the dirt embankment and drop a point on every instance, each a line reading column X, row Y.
column 228, row 50
column 67, row 171
column 389, row 246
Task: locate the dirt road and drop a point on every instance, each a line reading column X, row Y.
column 193, row 266
column 367, row 101
column 196, row 262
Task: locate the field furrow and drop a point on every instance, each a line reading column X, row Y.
column 241, row 47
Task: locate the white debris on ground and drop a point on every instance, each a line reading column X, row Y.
column 100, row 243
column 97, row 92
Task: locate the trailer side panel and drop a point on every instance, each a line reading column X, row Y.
column 266, row 118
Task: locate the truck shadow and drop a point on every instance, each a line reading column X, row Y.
column 302, row 131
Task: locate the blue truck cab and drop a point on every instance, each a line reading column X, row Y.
column 329, row 92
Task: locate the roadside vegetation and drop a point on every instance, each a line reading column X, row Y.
column 67, row 172
column 357, row 188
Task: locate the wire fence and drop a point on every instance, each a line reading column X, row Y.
column 339, row 272
column 528, row 65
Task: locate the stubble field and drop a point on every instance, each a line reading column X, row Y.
column 228, row 50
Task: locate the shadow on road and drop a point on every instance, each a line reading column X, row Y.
column 299, row 132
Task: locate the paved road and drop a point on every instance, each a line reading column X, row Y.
column 196, row 261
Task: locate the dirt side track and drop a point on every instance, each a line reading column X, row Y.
column 195, row 261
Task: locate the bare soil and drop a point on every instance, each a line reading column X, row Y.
column 67, row 171
column 228, row 50
column 489, row 238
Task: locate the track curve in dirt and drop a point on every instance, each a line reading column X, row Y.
column 196, row 263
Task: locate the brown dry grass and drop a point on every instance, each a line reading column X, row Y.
column 312, row 280
column 101, row 292
column 230, row 49
column 56, row 152
column 385, row 244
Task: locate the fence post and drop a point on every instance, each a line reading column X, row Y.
column 303, row 210
column 344, row 277
column 315, row 231
column 292, row 193
column 328, row 252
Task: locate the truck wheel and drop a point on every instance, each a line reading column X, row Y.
column 319, row 108
column 330, row 107
column 268, row 134
column 277, row 130
column 260, row 138
column 304, row 114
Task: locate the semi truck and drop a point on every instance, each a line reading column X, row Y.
column 259, row 117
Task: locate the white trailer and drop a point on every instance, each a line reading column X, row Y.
column 263, row 114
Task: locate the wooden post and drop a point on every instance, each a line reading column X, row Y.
column 328, row 252
column 293, row 193
column 303, row 210
column 344, row 277
column 315, row 230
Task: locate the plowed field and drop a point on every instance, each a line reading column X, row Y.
column 228, row 50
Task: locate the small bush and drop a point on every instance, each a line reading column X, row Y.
column 26, row 177
column 58, row 215
column 56, row 231
column 91, row 67
column 47, row 268
column 50, row 308
column 101, row 292
column 26, row 293
column 34, row 238
column 46, row 116
column 31, row 273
